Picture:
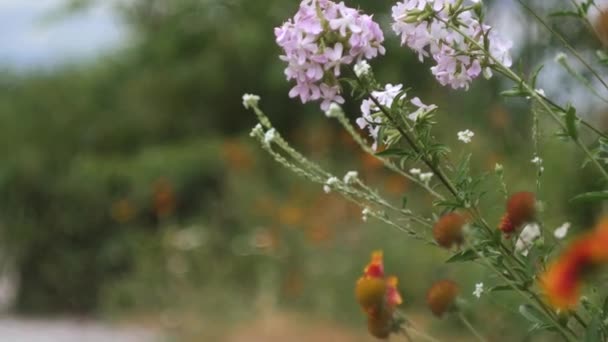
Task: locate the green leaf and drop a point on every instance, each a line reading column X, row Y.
column 571, row 122
column 462, row 256
column 564, row 14
column 535, row 75
column 392, row 152
column 532, row 314
column 595, row 196
column 404, row 202
column 593, row 333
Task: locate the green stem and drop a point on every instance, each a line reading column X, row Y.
column 471, row 328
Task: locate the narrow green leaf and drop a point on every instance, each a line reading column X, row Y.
column 462, row 256
column 404, row 202
column 571, row 122
column 392, row 152
column 595, row 196
column 532, row 314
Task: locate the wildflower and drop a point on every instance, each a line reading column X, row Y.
column 526, row 238
column 537, row 160
column 521, row 208
column 350, row 177
column 560, row 57
column 426, row 177
column 422, row 109
column 333, row 111
column 498, row 168
column 329, row 184
column 256, row 130
column 415, row 171
column 321, row 38
column 465, row 136
column 362, row 68
column 479, row 290
column 561, row 231
column 270, row 135
column 448, row 230
column 563, row 280
column 378, row 296
column 365, row 213
column 421, row 24
column 250, row 101
column 441, row 297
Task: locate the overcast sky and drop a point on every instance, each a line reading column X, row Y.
column 28, row 38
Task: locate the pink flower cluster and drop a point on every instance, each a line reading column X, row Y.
column 372, row 120
column 457, row 59
column 321, row 38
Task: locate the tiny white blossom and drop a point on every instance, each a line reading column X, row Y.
column 498, row 167
column 526, row 238
column 329, row 183
column 350, row 177
column 250, row 100
column 465, row 136
column 560, row 57
column 540, row 92
column 256, row 130
column 334, row 110
column 479, row 290
column 270, row 135
column 415, row 171
column 362, row 68
column 561, row 231
column 537, row 160
column 364, row 213
column 426, row 177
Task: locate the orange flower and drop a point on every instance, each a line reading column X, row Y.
column 563, row 280
column 521, row 208
column 441, row 296
column 448, row 230
column 164, row 198
column 378, row 296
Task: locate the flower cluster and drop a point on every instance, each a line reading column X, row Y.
column 378, row 297
column 321, row 38
column 371, row 117
column 448, row 231
column 424, row 26
column 563, row 279
column 441, row 297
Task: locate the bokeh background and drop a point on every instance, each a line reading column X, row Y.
column 131, row 193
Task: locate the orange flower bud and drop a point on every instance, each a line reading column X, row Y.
column 521, row 207
column 448, row 230
column 441, row 296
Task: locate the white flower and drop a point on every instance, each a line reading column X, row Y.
column 422, row 109
column 334, row 110
column 256, row 130
column 526, row 238
column 250, row 100
column 560, row 57
column 350, row 177
column 415, row 171
column 498, row 167
column 561, row 231
column 465, row 136
column 364, row 213
column 426, row 177
column 537, row 160
column 270, row 135
column 362, row 68
column 479, row 290
column 329, row 183
column 540, row 92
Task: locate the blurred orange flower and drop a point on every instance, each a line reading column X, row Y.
column 122, row 210
column 163, row 198
column 236, row 155
column 441, row 296
column 448, row 230
column 563, row 280
column 378, row 296
column 521, row 208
